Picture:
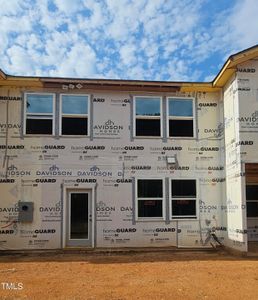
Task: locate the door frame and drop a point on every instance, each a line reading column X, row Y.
column 86, row 242
column 90, row 188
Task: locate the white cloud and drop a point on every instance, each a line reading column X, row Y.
column 136, row 72
column 20, row 61
column 209, row 78
column 152, row 7
column 4, row 42
column 140, row 39
column 128, row 55
column 15, row 24
column 78, row 62
column 233, row 30
column 69, row 6
column 125, row 18
column 169, row 48
column 244, row 23
column 98, row 15
column 10, row 7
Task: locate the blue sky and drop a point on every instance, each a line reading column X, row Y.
column 174, row 40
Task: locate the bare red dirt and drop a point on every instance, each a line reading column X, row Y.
column 155, row 275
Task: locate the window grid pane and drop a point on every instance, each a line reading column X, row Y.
column 252, row 192
column 181, row 128
column 147, row 127
column 183, row 188
column 74, row 126
column 39, row 104
column 150, row 188
column 180, row 108
column 39, row 114
column 75, row 104
column 39, row 126
column 150, row 208
column 145, row 106
column 252, row 209
column 183, row 208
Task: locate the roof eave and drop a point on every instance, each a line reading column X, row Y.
column 230, row 66
column 2, row 74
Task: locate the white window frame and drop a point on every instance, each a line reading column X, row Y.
column 181, row 118
column 160, row 117
column 34, row 115
column 74, row 116
column 163, row 199
column 183, row 218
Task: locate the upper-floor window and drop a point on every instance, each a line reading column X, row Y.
column 74, row 115
column 39, row 113
column 181, row 117
column 147, row 118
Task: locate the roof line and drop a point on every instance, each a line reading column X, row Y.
column 137, row 81
column 2, row 74
column 230, row 60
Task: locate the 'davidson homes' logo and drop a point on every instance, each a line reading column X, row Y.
column 249, row 122
column 94, row 171
column 14, row 171
column 54, row 170
column 4, row 126
column 109, row 128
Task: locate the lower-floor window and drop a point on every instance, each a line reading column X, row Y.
column 183, row 198
column 252, row 201
column 151, row 195
column 150, row 198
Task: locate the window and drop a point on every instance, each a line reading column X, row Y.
column 147, row 116
column 150, row 198
column 252, row 201
column 74, row 114
column 39, row 113
column 183, row 198
column 180, row 117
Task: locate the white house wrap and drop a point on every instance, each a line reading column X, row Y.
column 116, row 163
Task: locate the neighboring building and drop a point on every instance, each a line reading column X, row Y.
column 122, row 163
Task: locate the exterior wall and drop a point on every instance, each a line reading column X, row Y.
column 241, row 142
column 247, row 77
column 107, row 163
column 234, row 206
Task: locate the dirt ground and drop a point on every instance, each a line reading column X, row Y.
column 155, row 275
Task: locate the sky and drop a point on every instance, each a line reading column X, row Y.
column 167, row 40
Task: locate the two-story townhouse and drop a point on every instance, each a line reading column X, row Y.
column 121, row 163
